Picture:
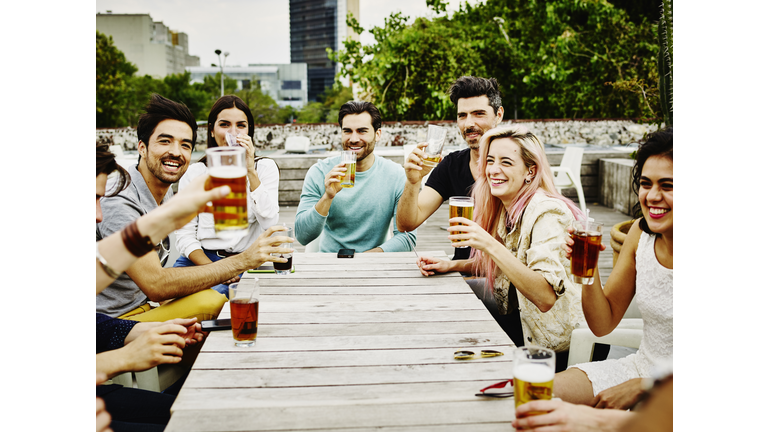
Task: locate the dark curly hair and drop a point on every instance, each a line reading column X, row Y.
column 470, row 86
column 658, row 143
column 106, row 164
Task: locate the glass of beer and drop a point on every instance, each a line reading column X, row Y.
column 350, row 159
column 226, row 166
column 587, row 237
column 435, row 140
column 284, row 268
column 244, row 310
column 534, row 372
column 460, row 206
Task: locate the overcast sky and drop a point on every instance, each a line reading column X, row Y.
column 252, row 31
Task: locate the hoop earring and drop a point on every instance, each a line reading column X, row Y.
column 527, row 181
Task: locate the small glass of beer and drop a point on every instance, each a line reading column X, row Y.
column 587, row 236
column 534, row 373
column 226, row 166
column 435, row 140
column 284, row 269
column 460, row 206
column 244, row 310
column 350, row 159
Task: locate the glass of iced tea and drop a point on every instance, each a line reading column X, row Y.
column 435, row 140
column 350, row 159
column 534, row 372
column 244, row 311
column 587, row 237
column 226, row 166
column 284, row 268
column 460, row 206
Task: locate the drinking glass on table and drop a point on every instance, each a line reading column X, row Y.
column 435, row 140
column 284, row 268
column 534, row 373
column 587, row 237
column 226, row 166
column 244, row 311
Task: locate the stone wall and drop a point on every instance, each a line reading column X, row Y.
column 600, row 133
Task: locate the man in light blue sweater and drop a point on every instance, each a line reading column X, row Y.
column 358, row 217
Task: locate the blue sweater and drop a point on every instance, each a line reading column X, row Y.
column 359, row 217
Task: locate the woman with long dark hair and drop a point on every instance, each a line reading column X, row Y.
column 197, row 242
column 643, row 271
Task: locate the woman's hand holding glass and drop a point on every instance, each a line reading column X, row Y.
column 468, row 233
column 566, row 246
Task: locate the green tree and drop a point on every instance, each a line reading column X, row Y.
column 113, row 75
column 264, row 109
column 558, row 59
column 328, row 110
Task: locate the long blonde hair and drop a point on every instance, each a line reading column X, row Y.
column 488, row 208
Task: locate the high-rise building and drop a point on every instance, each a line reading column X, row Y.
column 154, row 48
column 315, row 26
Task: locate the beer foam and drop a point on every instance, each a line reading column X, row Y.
column 227, row 171
column 534, row 373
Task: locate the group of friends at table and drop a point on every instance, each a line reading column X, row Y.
column 517, row 261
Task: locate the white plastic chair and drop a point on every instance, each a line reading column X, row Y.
column 297, row 144
column 156, row 379
column 628, row 334
column 568, row 174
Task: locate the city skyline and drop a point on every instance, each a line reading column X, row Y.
column 194, row 18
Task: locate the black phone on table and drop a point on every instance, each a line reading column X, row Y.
column 346, row 253
column 217, row 324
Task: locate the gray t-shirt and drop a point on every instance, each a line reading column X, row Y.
column 123, row 295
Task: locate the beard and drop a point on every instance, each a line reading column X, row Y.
column 473, row 143
column 155, row 166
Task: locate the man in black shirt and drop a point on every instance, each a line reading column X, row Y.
column 478, row 106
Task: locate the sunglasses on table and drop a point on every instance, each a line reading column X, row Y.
column 467, row 355
column 499, row 385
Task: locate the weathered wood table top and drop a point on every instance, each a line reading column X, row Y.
column 354, row 344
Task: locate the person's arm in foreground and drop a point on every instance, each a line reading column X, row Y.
column 163, row 283
column 430, row 265
column 103, row 419
column 530, row 283
column 560, row 416
column 156, row 224
column 193, row 335
column 414, row 206
column 159, row 345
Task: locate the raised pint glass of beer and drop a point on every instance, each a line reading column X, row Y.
column 587, row 237
column 350, row 159
column 534, row 372
column 460, row 206
column 226, row 166
column 435, row 140
column 283, row 269
column 244, row 311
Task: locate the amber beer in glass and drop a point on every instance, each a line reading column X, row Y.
column 435, row 141
column 244, row 311
column 350, row 159
column 534, row 373
column 226, row 166
column 460, row 206
column 587, row 237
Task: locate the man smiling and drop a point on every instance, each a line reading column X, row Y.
column 358, row 217
column 167, row 132
column 478, row 109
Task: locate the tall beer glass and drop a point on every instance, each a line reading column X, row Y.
column 244, row 310
column 350, row 159
column 226, row 166
column 435, row 140
column 460, row 206
column 587, row 237
column 534, row 372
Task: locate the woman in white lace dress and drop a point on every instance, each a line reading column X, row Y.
column 644, row 270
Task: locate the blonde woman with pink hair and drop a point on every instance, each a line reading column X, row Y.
column 520, row 221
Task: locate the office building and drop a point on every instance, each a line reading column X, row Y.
column 315, row 26
column 155, row 49
column 285, row 83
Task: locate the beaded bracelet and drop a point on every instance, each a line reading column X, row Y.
column 134, row 242
column 104, row 266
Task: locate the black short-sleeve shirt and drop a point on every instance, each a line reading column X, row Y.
column 452, row 177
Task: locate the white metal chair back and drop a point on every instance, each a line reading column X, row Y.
column 568, row 174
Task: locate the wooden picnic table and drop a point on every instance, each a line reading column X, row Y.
column 354, row 344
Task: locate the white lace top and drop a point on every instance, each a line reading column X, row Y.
column 653, row 293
